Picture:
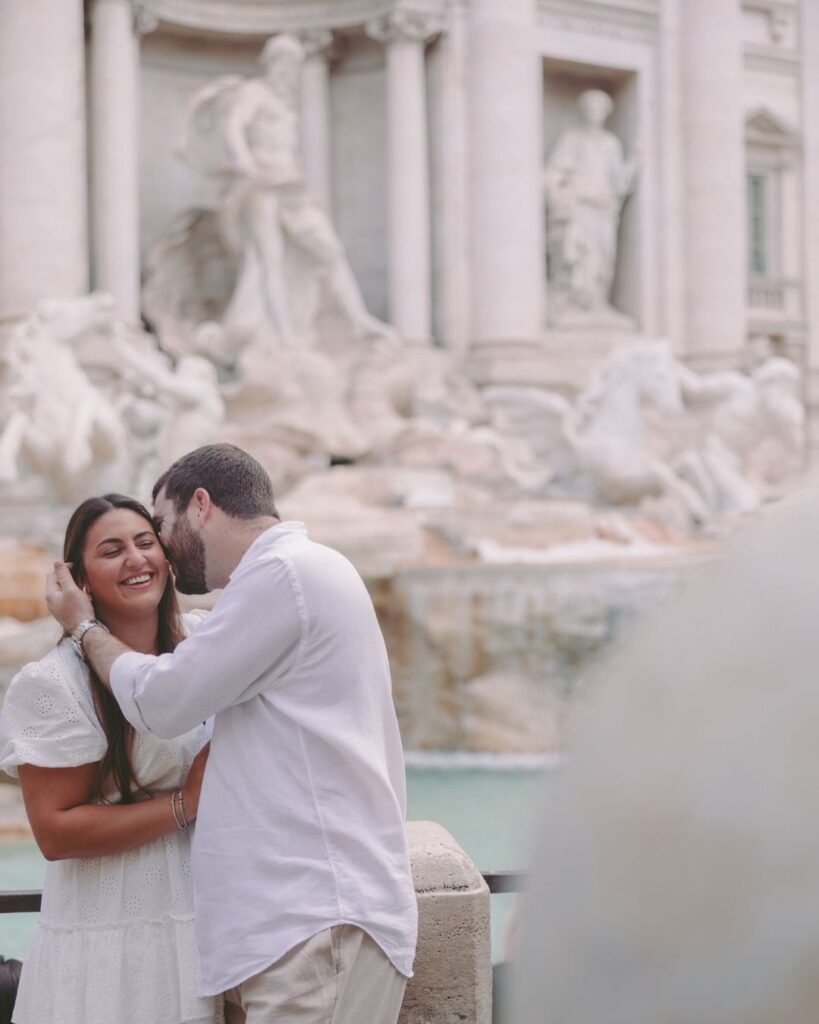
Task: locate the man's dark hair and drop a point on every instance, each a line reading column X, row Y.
column 235, row 481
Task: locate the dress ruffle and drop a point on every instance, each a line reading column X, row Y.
column 138, row 972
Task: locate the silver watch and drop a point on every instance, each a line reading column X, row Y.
column 76, row 634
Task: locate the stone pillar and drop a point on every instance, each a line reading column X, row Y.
column 809, row 38
column 506, row 153
column 453, row 963
column 43, row 194
column 408, row 206
column 449, row 164
column 315, row 114
column 714, row 181
column 114, row 71
column 672, row 249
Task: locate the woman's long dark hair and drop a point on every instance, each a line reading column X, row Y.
column 116, row 765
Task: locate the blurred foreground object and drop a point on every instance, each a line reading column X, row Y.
column 678, row 876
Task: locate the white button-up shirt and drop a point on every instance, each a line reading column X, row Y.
column 301, row 816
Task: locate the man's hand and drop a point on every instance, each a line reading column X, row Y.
column 67, row 603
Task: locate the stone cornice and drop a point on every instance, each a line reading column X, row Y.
column 264, row 17
column 765, row 128
column 781, row 62
column 620, row 19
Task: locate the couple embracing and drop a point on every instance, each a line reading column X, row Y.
column 269, row 721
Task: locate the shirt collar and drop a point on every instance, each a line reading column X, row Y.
column 271, row 536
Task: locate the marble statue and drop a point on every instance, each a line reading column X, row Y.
column 90, row 403
column 609, row 429
column 275, row 258
column 191, row 408
column 586, row 179
column 56, row 425
column 709, row 446
column 748, row 434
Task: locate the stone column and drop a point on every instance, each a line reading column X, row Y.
column 669, row 100
column 506, row 153
column 43, row 193
column 449, row 168
column 714, row 181
column 405, row 33
column 315, row 114
column 114, row 71
column 809, row 39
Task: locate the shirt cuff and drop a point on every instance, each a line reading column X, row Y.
column 123, row 677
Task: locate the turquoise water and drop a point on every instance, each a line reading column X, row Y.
column 21, row 867
column 489, row 811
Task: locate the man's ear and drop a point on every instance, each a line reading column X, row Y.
column 202, row 505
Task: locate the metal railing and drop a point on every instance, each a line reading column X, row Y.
column 28, row 901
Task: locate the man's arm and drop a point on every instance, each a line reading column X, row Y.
column 251, row 640
column 70, row 606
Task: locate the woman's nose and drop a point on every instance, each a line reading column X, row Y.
column 133, row 556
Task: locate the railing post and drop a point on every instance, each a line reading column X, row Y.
column 453, row 965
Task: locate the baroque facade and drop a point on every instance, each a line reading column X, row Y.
column 426, row 125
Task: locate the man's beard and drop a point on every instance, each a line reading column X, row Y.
column 188, row 559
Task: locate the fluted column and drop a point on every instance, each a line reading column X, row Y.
column 409, row 267
column 43, row 191
column 449, row 170
column 671, row 247
column 115, row 26
column 506, row 152
column 714, row 180
column 809, row 38
column 315, row 114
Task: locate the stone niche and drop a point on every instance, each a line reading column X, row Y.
column 174, row 66
column 563, row 82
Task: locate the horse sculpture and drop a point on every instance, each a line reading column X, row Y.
column 610, row 433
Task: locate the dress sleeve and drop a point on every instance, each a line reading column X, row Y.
column 48, row 717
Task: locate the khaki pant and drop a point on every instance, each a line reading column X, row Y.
column 339, row 976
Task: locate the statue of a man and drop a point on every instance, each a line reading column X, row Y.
column 586, row 179
column 245, row 133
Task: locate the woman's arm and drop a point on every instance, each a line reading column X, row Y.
column 66, row 825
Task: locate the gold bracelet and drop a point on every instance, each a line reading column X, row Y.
column 181, row 822
column 185, row 822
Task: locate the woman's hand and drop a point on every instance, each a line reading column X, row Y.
column 66, row 601
column 193, row 783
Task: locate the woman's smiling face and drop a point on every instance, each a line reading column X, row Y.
column 124, row 565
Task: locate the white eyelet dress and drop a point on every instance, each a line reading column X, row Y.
column 115, row 939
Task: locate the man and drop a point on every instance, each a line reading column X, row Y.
column 305, row 906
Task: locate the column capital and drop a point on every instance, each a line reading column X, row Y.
column 406, row 26
column 316, row 41
column 146, row 19
column 143, row 17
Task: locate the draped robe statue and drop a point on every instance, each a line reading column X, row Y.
column 586, row 180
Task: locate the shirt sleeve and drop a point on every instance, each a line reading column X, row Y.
column 250, row 641
column 48, row 718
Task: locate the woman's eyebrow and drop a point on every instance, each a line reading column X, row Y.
column 118, row 540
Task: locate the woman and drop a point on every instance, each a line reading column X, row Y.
column 109, row 808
